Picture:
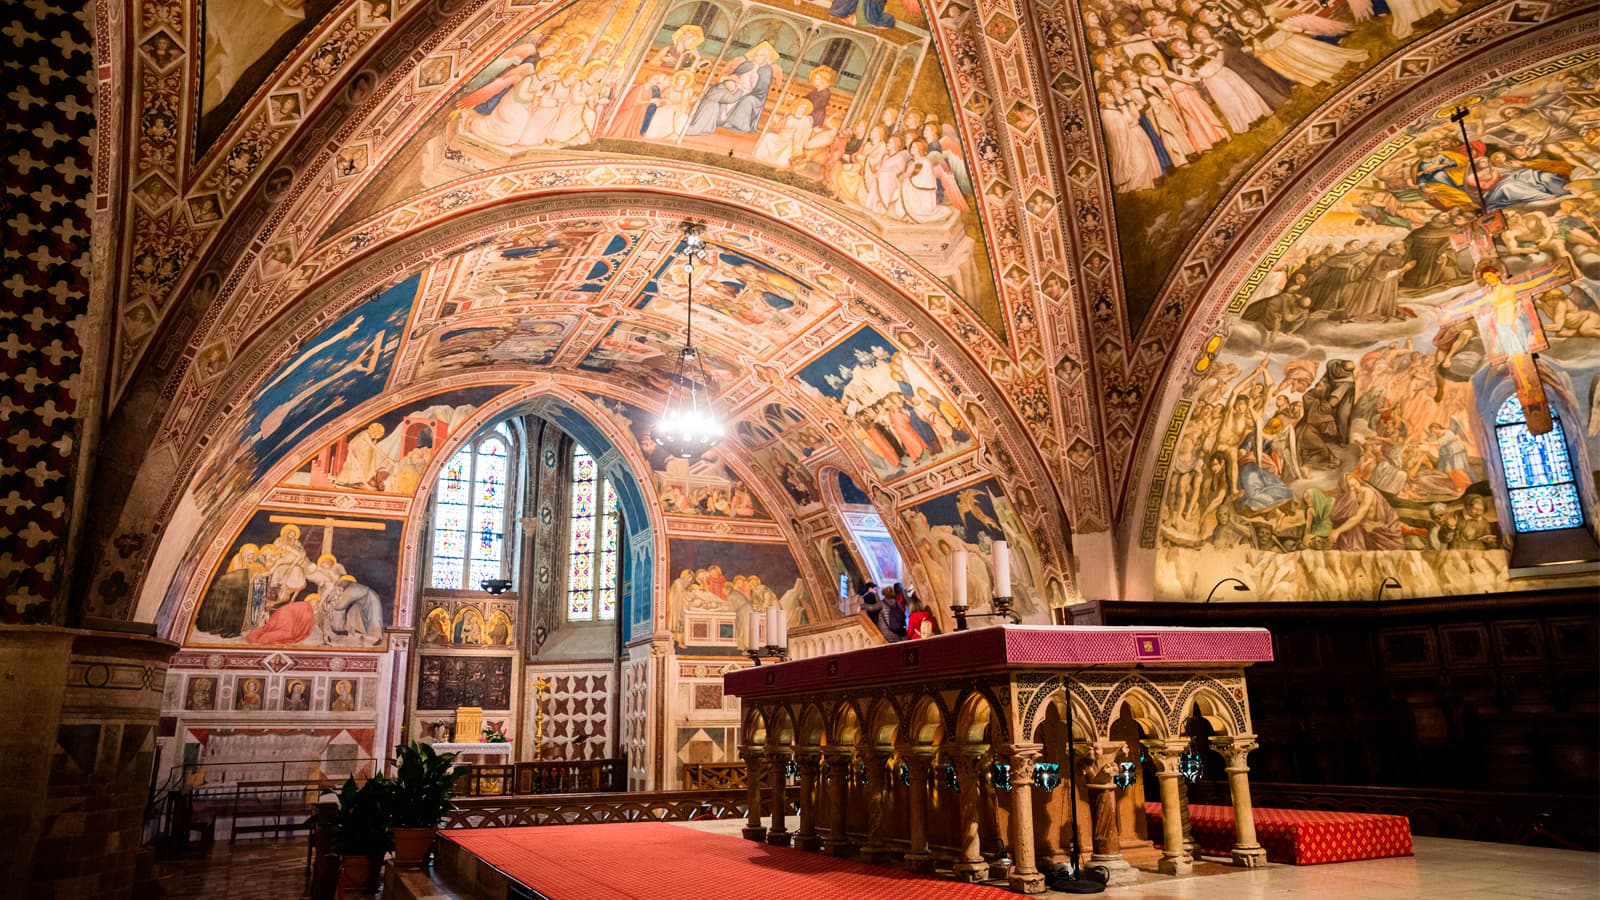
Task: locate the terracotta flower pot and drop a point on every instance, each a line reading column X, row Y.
column 412, row 845
column 355, row 873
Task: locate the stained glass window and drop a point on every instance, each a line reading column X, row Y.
column 469, row 517
column 592, row 543
column 1538, row 472
column 607, row 587
column 580, row 572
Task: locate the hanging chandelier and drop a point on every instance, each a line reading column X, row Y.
column 689, row 425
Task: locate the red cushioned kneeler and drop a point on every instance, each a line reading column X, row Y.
column 1300, row 837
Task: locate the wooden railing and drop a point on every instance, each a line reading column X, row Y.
column 601, row 809
column 579, row 776
column 714, row 776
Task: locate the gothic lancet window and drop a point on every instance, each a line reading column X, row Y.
column 1538, row 469
column 592, row 565
column 469, row 515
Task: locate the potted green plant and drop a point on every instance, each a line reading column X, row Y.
column 423, row 782
column 362, row 831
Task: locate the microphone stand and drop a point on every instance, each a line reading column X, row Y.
column 1071, row 881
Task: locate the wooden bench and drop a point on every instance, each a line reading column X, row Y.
column 1299, row 837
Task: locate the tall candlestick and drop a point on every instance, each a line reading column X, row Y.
column 1002, row 569
column 958, row 577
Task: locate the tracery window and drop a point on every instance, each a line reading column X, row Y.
column 1538, row 471
column 592, row 566
column 469, row 514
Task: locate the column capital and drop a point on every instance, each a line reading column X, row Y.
column 781, row 754
column 1164, row 752
column 1235, row 749
column 752, row 754
column 1016, row 751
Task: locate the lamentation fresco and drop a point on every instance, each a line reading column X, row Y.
column 1337, row 436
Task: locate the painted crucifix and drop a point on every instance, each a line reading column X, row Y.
column 1508, row 324
column 1507, row 321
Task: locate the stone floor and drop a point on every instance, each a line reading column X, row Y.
column 261, row 869
column 1443, row 869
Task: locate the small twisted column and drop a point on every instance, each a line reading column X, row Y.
column 1247, row 851
column 1189, row 845
column 919, row 763
column 839, row 775
column 777, row 762
column 810, row 765
column 1025, row 877
column 754, row 767
column 970, row 864
column 1174, row 859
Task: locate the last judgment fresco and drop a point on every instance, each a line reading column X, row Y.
column 1192, row 92
column 1337, row 437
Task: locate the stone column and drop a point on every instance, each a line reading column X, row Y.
column 970, row 864
column 82, row 711
column 840, row 764
column 1025, row 877
column 1247, row 851
column 1107, row 841
column 920, row 763
column 1174, row 860
column 777, row 763
column 810, row 765
column 876, row 794
column 754, row 766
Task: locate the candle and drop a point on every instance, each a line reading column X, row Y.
column 1002, row 569
column 753, row 628
column 783, row 628
column 772, row 626
column 958, row 577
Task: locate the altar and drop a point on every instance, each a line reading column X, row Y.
column 949, row 750
column 479, row 752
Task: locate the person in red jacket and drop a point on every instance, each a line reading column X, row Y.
column 922, row 622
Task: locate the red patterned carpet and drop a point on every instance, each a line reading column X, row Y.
column 660, row 860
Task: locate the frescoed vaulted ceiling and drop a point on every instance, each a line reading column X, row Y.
column 1048, row 219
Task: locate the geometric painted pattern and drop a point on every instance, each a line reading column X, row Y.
column 44, row 293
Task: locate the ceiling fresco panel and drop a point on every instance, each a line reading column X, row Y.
column 1335, row 434
column 852, row 110
column 1192, row 93
column 346, row 364
column 244, row 40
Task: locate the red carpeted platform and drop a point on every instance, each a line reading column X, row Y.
column 661, row 860
column 1298, row 836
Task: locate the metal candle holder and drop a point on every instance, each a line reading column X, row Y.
column 1002, row 610
column 767, row 651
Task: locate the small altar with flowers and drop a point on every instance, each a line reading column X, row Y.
column 479, row 752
